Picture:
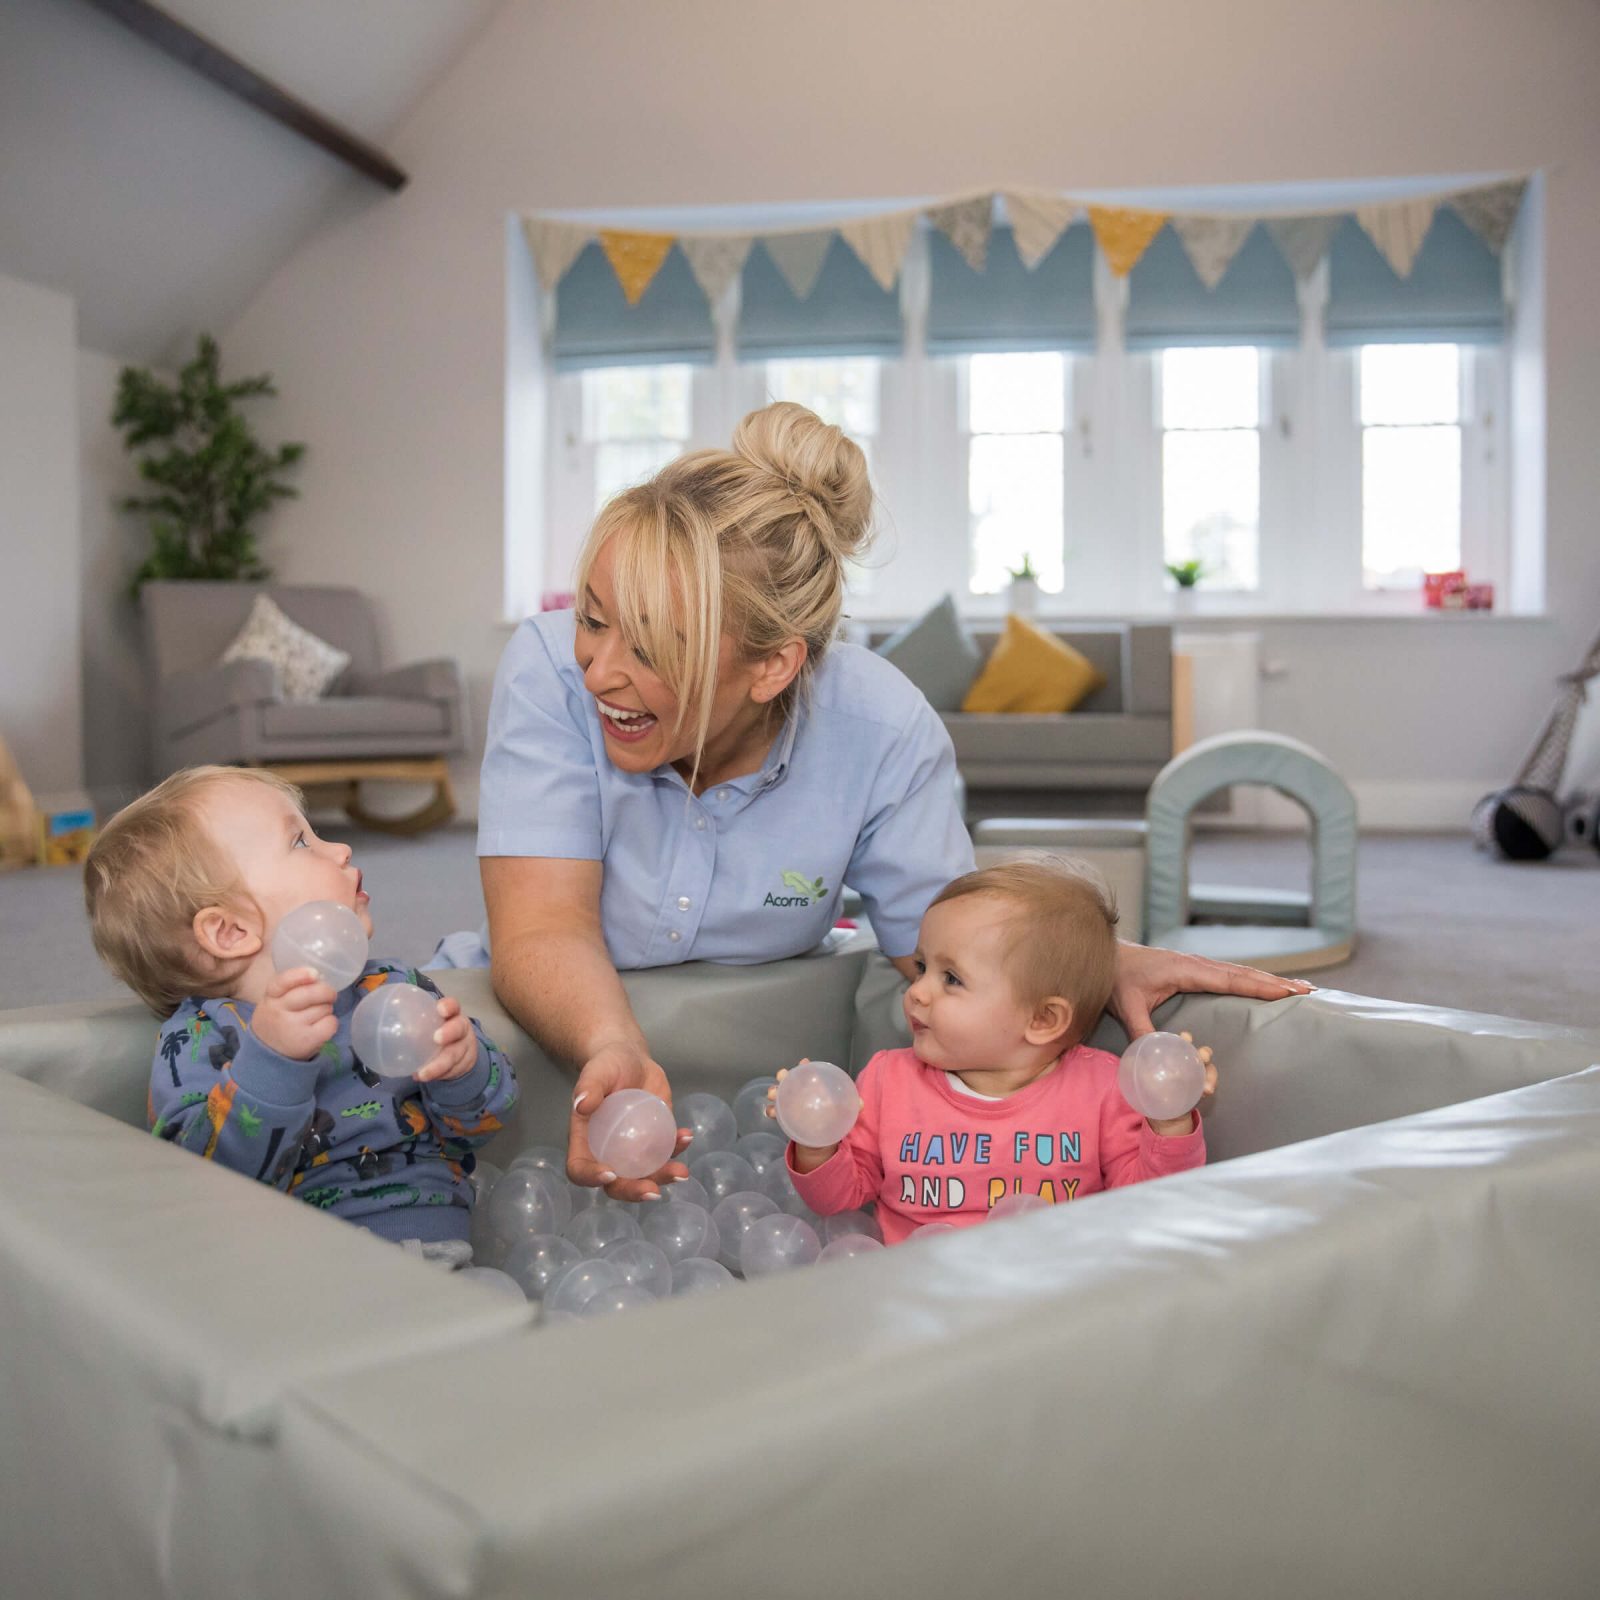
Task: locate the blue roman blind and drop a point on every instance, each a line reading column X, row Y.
column 1453, row 296
column 846, row 313
column 1007, row 307
column 1169, row 304
column 596, row 327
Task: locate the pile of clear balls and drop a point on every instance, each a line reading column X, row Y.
column 574, row 1252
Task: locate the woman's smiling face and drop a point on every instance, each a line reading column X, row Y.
column 638, row 712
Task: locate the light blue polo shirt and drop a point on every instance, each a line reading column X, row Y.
column 858, row 789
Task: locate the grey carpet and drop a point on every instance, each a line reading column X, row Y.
column 1439, row 923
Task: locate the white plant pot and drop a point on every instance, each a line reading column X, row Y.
column 1183, row 599
column 1022, row 598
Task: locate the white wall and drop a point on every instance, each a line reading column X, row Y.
column 387, row 331
column 41, row 692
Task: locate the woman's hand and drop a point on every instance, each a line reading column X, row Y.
column 1179, row 1126
column 1146, row 976
column 611, row 1068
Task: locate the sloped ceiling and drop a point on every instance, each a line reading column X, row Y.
column 161, row 203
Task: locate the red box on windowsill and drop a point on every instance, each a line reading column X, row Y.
column 1480, row 597
column 1444, row 591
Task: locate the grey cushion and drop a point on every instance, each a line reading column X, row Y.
column 936, row 653
column 352, row 714
column 1079, row 737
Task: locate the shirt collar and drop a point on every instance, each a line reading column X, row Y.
column 770, row 772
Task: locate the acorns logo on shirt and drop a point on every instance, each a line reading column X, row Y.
column 802, row 890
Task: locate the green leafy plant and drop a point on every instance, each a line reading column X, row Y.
column 210, row 478
column 1186, row 574
column 1025, row 571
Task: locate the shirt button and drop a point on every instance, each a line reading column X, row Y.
column 674, row 936
column 700, row 824
column 722, row 794
column 683, row 902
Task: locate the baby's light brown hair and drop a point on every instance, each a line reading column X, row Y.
column 153, row 867
column 1061, row 938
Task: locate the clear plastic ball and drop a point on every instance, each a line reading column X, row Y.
column 594, row 1231
column 608, row 1302
column 526, row 1202
column 325, row 936
column 849, row 1245
column 543, row 1155
column 493, row 1278
column 777, row 1185
column 732, row 1216
column 392, row 1029
column 1014, row 1205
column 721, row 1173
column 538, row 1261
column 844, row 1224
column 710, row 1121
column 750, row 1107
column 688, row 1191
column 572, row 1289
column 761, row 1150
column 817, row 1103
column 696, row 1275
column 929, row 1229
column 681, row 1231
column 777, row 1244
column 642, row 1265
column 1161, row 1076
column 633, row 1133
column 484, row 1176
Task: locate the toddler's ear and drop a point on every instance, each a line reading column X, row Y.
column 227, row 933
column 1050, row 1021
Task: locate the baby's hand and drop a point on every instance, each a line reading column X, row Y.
column 1186, row 1124
column 458, row 1046
column 295, row 1016
column 807, row 1158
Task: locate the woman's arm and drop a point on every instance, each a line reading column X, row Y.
column 552, row 972
column 1148, row 975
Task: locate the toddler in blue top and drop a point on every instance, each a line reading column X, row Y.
column 254, row 1067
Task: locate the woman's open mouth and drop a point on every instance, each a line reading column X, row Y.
column 627, row 726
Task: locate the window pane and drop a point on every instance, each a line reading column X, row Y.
column 1410, row 504
column 1014, row 486
column 1211, row 503
column 1410, row 383
column 1206, row 388
column 620, row 466
column 1019, row 393
column 635, row 403
column 842, row 390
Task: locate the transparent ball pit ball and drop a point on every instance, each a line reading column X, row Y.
column 849, row 1245
column 1015, row 1205
column 1161, row 1076
column 709, row 1121
column 633, row 1133
column 750, row 1106
column 596, row 1230
column 817, row 1103
column 732, row 1216
column 721, row 1173
column 538, row 1261
column 777, row 1244
column 697, row 1275
column 392, row 1030
column 573, row 1289
column 526, row 1202
column 325, row 936
column 642, row 1265
column 681, row 1231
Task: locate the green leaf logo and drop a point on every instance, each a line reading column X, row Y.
column 798, row 882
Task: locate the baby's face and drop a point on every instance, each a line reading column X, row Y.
column 277, row 853
column 964, row 1014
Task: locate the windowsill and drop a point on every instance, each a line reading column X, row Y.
column 1218, row 614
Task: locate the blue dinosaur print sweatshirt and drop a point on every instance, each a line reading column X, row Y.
column 393, row 1158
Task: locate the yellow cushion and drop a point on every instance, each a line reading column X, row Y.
column 1032, row 670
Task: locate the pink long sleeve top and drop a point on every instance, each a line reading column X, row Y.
column 927, row 1152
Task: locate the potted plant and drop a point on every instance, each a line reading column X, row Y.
column 1022, row 596
column 210, row 477
column 1186, row 575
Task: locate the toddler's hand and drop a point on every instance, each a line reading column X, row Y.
column 1186, row 1124
column 295, row 1016
column 807, row 1157
column 458, row 1046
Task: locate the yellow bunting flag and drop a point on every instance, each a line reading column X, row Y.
column 1125, row 235
column 635, row 258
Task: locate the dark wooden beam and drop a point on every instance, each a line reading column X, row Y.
column 165, row 32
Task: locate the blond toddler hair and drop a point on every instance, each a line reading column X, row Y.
column 153, row 867
column 1061, row 938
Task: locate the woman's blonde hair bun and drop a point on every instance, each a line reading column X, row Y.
column 819, row 463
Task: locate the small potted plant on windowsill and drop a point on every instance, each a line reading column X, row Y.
column 1186, row 575
column 1022, row 597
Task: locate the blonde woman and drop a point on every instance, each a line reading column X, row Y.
column 690, row 766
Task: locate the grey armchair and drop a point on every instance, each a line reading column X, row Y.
column 398, row 723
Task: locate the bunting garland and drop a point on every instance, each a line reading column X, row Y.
column 1038, row 219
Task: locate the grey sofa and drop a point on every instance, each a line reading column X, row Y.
column 1354, row 1355
column 1100, row 757
column 204, row 711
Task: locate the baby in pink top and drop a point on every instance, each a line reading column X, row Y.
column 998, row 1095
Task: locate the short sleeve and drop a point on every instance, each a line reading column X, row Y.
column 539, row 793
column 914, row 841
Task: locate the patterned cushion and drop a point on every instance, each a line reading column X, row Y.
column 307, row 666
